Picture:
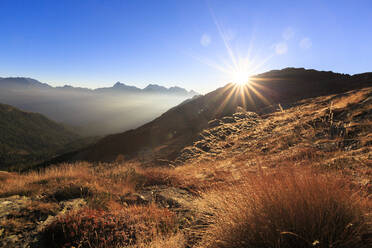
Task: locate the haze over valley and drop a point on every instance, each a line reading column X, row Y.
column 92, row 112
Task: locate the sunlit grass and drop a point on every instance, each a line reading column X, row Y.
column 97, row 228
column 288, row 208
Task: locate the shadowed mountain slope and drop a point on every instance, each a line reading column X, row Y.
column 29, row 137
column 164, row 137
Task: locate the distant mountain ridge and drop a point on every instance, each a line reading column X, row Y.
column 29, row 83
column 18, row 82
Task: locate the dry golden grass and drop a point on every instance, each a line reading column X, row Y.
column 92, row 228
column 287, row 208
column 349, row 99
column 36, row 182
column 248, row 205
column 103, row 185
column 173, row 241
column 4, row 175
column 117, row 179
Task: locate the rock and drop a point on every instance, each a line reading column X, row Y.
column 13, row 204
column 169, row 197
column 134, row 199
column 166, row 202
column 74, row 204
column 71, row 205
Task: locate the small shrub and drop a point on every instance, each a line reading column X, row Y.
column 286, row 210
column 97, row 228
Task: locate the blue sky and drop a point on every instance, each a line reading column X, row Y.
column 94, row 43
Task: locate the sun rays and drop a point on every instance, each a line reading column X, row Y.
column 238, row 68
column 249, row 95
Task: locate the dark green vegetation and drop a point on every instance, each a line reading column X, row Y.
column 29, row 138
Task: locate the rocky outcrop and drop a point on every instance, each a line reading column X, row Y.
column 24, row 218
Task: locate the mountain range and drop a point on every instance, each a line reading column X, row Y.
column 92, row 112
column 29, row 83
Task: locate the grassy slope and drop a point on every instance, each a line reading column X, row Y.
column 29, row 136
column 331, row 131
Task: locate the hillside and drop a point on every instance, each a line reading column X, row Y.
column 296, row 177
column 165, row 137
column 337, row 128
column 26, row 137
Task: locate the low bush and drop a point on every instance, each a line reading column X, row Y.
column 98, row 228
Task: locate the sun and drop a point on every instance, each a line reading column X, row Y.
column 241, row 71
column 241, row 77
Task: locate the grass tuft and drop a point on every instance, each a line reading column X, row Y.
column 98, row 228
column 286, row 209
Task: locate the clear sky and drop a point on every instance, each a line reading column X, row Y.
column 189, row 43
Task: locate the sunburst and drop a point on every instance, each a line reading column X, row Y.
column 240, row 69
column 241, row 73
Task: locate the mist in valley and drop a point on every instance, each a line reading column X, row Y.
column 95, row 112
